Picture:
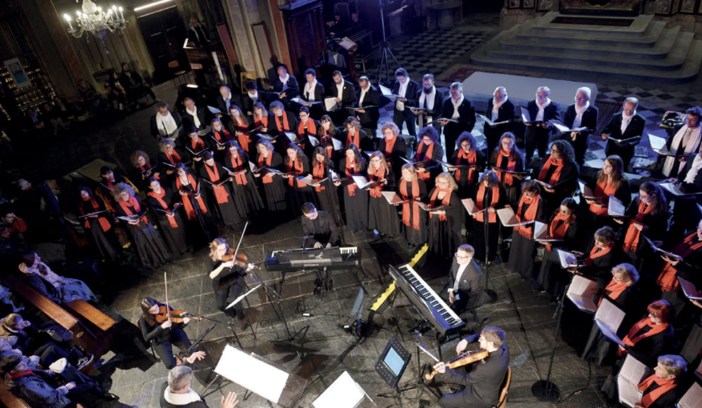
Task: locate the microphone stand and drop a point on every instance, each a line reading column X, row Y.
column 334, row 201
column 486, row 236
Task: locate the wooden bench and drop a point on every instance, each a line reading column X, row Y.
column 10, row 400
column 89, row 327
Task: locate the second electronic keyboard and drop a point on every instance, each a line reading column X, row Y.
column 292, row 260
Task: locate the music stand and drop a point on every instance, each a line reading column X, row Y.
column 391, row 365
column 343, row 393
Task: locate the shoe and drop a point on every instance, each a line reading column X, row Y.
column 121, row 107
column 82, row 362
column 330, row 284
column 108, row 396
column 317, row 291
column 243, row 323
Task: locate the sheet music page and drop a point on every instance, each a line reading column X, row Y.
column 337, row 144
column 526, row 117
column 343, row 393
column 692, row 398
column 581, row 286
column 634, row 371
column 313, row 140
column 672, row 188
column 470, row 206
column 509, row 219
column 259, row 377
column 610, row 314
column 657, row 142
column 689, row 289
column 566, row 258
column 391, row 196
column 360, row 181
column 616, row 207
column 329, row 103
column 540, row 230
column 585, row 190
column 583, row 303
column 629, row 394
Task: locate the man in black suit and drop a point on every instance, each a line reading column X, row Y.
column 466, row 283
column 406, row 90
column 165, row 123
column 135, row 85
column 430, row 99
column 320, row 231
column 286, row 85
column 580, row 114
column 345, row 96
column 624, row 125
column 250, row 98
column 368, row 95
column 538, row 131
column 313, row 92
column 197, row 34
column 685, row 138
column 483, row 383
column 196, row 116
column 225, row 99
column 500, row 109
column 460, row 109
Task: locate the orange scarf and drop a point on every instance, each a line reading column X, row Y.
column 220, row 193
column 663, row 387
column 556, row 175
column 131, row 203
column 298, row 169
column 104, row 224
column 197, row 146
column 351, row 165
column 558, row 228
column 631, row 240
column 236, row 166
column 353, row 137
column 244, row 141
column 667, row 279
column 174, row 157
column 603, row 189
column 164, row 206
column 318, row 174
column 389, row 146
column 596, row 253
column 406, row 206
column 530, row 215
column 225, row 137
column 615, row 289
column 428, row 154
column 328, row 144
column 286, row 125
column 480, row 198
column 445, row 201
column 304, row 129
column 471, row 158
column 508, row 178
column 148, row 167
column 268, row 178
column 377, row 174
column 631, row 338
column 189, row 209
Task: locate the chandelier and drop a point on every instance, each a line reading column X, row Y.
column 97, row 22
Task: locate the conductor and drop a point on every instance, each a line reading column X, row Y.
column 320, row 232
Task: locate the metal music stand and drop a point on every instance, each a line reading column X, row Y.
column 384, row 49
column 391, row 365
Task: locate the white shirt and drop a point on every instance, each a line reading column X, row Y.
column 459, row 274
column 429, row 98
column 625, row 121
column 180, row 399
column 696, row 166
column 456, row 104
column 496, row 108
column 363, row 95
column 196, row 120
column 401, row 93
column 540, row 114
column 686, row 136
column 253, row 96
column 227, row 102
column 284, row 80
column 309, row 90
column 579, row 115
column 340, row 90
column 166, row 124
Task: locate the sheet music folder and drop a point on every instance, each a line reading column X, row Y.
column 262, row 377
column 343, row 393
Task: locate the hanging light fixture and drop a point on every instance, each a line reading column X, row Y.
column 92, row 19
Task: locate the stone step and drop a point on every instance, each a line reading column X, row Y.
column 671, row 61
column 648, row 38
column 669, row 38
column 636, row 29
column 686, row 71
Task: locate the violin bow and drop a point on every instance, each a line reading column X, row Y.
column 168, row 308
column 427, row 352
column 240, row 239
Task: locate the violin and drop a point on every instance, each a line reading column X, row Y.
column 163, row 315
column 241, row 260
column 464, row 359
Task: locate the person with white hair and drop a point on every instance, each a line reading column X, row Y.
column 624, row 126
column 499, row 109
column 538, row 129
column 458, row 108
column 580, row 114
column 176, row 392
column 225, row 100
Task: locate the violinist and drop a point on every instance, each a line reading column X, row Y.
column 483, row 382
column 228, row 279
column 163, row 328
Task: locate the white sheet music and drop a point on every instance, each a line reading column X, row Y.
column 689, row 289
column 657, row 143
column 629, row 394
column 259, row 377
column 633, row 370
column 585, row 190
column 337, row 144
column 330, row 103
column 616, row 207
column 580, row 293
column 343, row 393
column 313, row 140
column 470, row 206
column 610, row 314
column 541, row 231
column 567, row 258
column 392, row 197
column 692, row 398
column 509, row 219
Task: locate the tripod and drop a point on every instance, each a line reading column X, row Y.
column 384, row 50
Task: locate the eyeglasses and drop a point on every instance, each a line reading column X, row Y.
column 457, row 256
column 465, row 145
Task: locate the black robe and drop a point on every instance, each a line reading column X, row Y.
column 595, row 222
column 381, row 215
column 552, row 277
column 513, row 189
column 323, row 196
column 523, row 250
column 625, row 150
column 176, row 237
column 599, row 349
column 299, row 192
column 466, row 186
column 399, row 150
column 246, row 195
column 106, row 242
column 564, row 187
column 226, row 211
column 274, row 191
column 356, row 205
column 412, row 235
column 228, row 286
column 655, row 229
column 433, row 169
column 364, row 142
column 493, row 228
column 148, row 243
column 466, row 122
column 589, row 120
column 445, row 236
column 493, row 133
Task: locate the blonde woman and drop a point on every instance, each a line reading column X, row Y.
column 445, row 218
column 382, row 217
column 393, row 146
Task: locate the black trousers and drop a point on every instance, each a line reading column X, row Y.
column 400, row 118
column 460, row 303
column 50, row 352
column 536, row 137
column 225, row 295
column 458, row 400
column 165, row 349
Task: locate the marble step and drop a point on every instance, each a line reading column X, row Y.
column 671, row 61
column 648, row 38
column 636, row 29
column 686, row 71
column 669, row 38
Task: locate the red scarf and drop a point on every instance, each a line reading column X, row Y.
column 353, row 137
column 304, row 129
column 244, row 141
column 298, row 169
column 262, row 121
column 596, row 253
column 556, row 175
column 603, row 189
column 511, row 166
column 558, row 228
column 197, row 146
column 173, row 157
column 236, row 166
column 615, row 289
column 428, row 154
column 667, row 279
column 132, row 203
column 389, row 146
column 530, row 215
column 318, row 174
column 148, row 167
column 406, row 206
column 220, row 192
column 159, row 198
column 110, row 184
column 104, row 224
column 22, row 374
column 631, row 338
column 328, row 144
column 189, row 209
column 351, row 165
column 663, row 387
column 375, row 175
column 471, row 157
column 286, row 125
column 266, row 162
column 480, row 197
column 240, row 123
column 225, row 137
column 631, row 240
column 445, row 201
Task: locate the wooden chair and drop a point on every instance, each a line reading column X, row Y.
column 505, row 389
column 177, row 71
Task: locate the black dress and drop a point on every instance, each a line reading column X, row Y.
column 493, row 225
column 425, row 152
column 220, row 198
column 523, row 250
column 149, row 244
column 467, row 178
column 381, row 215
column 228, row 286
column 512, row 185
column 273, row 185
column 323, row 197
column 244, row 188
column 598, row 216
column 412, row 215
column 164, row 339
column 445, row 231
column 564, row 186
column 655, row 229
column 355, row 199
column 172, row 227
column 101, row 229
column 394, row 156
column 599, row 349
column 299, row 192
column 195, row 208
column 552, row 277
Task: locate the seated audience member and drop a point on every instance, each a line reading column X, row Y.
column 64, row 110
column 197, row 34
column 40, row 277
column 55, row 120
column 89, row 97
column 135, row 85
column 13, row 222
column 116, row 92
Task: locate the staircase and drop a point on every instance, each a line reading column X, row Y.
column 643, row 51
